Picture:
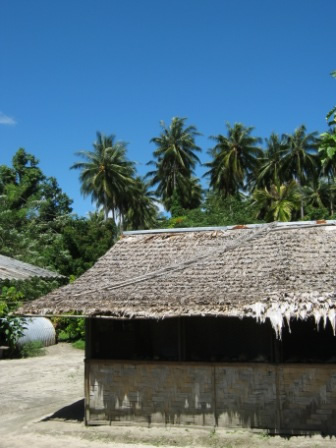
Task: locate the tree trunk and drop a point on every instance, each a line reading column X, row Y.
column 301, row 200
column 121, row 219
column 298, row 172
column 105, row 207
column 331, row 198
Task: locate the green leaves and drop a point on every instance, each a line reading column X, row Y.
column 234, row 160
column 11, row 328
column 331, row 151
column 278, row 202
column 327, row 150
column 175, row 162
column 215, row 211
column 331, row 113
column 142, row 212
column 106, row 175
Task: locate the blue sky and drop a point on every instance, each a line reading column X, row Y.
column 71, row 67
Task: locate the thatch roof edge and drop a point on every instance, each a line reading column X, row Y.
column 271, row 273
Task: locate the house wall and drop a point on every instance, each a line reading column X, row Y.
column 283, row 398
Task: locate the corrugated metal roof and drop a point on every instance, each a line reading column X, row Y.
column 12, row 269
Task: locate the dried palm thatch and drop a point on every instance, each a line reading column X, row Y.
column 275, row 272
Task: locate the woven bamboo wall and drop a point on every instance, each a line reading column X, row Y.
column 285, row 398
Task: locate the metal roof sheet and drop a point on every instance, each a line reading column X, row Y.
column 12, row 269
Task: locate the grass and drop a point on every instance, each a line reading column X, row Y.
column 80, row 344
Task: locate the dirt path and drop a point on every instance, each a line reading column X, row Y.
column 41, row 406
column 34, row 387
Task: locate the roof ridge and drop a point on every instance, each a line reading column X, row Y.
column 277, row 224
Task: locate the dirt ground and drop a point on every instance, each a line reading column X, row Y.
column 41, row 406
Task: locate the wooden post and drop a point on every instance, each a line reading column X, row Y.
column 277, row 359
column 88, row 338
column 88, row 356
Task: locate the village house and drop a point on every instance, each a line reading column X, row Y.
column 229, row 326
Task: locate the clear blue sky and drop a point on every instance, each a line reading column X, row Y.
column 71, row 67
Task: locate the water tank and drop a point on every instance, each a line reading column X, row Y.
column 38, row 329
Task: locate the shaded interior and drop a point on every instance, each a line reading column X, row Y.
column 209, row 339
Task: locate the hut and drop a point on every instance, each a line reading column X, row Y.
column 231, row 326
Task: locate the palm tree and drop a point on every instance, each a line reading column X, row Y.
column 327, row 156
column 332, row 113
column 234, row 160
column 270, row 169
column 142, row 213
column 300, row 158
column 319, row 194
column 175, row 161
column 195, row 193
column 106, row 174
column 278, row 202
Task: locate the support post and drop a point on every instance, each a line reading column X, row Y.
column 88, row 356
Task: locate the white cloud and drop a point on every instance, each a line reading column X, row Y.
column 161, row 208
column 6, row 120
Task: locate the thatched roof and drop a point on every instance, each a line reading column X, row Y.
column 276, row 271
column 12, row 269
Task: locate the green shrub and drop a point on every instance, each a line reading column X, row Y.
column 31, row 349
column 69, row 329
column 80, row 344
column 11, row 328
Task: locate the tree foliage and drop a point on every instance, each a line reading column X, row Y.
column 284, row 179
column 234, row 160
column 106, row 175
column 278, row 202
column 175, row 161
column 39, row 228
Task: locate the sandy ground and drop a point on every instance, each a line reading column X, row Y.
column 41, row 406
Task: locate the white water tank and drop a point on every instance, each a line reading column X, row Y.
column 38, row 329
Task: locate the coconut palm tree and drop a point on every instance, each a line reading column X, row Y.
column 106, row 174
column 331, row 115
column 270, row 169
column 234, row 160
column 278, row 202
column 327, row 156
column 175, row 161
column 300, row 158
column 142, row 212
column 195, row 193
column 318, row 193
